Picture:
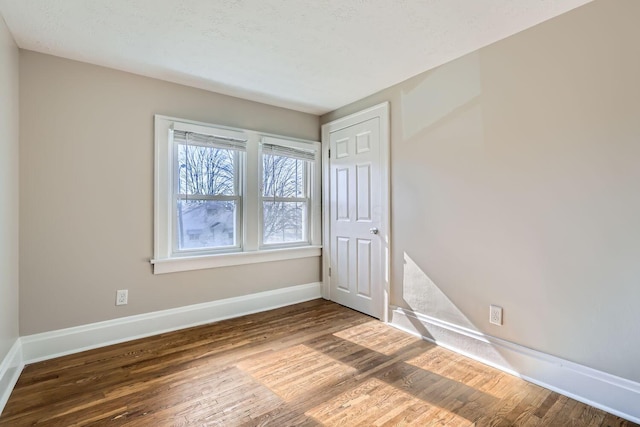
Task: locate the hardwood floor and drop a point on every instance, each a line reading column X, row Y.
column 311, row 364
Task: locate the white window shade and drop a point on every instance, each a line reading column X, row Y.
column 224, row 142
column 300, row 150
column 294, row 153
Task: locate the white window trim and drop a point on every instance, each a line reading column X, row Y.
column 166, row 261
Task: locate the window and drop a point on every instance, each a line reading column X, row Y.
column 285, row 194
column 227, row 196
column 206, row 192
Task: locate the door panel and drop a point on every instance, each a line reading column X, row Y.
column 364, row 267
column 342, row 194
column 342, row 263
column 363, row 192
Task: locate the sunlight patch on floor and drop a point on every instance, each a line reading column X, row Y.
column 460, row 369
column 297, row 371
column 377, row 403
column 378, row 337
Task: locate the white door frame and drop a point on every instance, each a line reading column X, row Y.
column 380, row 111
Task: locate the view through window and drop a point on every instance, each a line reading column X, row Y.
column 207, row 198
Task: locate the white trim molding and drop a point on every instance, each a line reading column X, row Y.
column 48, row 345
column 10, row 368
column 608, row 392
column 172, row 265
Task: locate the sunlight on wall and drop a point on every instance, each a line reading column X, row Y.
column 435, row 317
column 424, row 296
column 434, row 98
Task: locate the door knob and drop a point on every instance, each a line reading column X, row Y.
column 373, row 230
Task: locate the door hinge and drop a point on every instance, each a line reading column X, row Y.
column 329, row 271
column 329, row 153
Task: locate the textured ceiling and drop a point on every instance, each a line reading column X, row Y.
column 312, row 56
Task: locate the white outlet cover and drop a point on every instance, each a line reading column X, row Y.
column 122, row 297
column 495, row 315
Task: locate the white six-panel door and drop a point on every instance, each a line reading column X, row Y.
column 357, row 233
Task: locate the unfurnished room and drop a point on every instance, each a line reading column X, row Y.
column 327, row 213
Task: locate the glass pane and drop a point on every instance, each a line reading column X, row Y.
column 284, row 222
column 282, row 176
column 206, row 170
column 206, row 224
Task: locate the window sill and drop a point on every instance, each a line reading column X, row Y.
column 172, row 265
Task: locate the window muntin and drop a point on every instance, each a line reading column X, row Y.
column 285, row 200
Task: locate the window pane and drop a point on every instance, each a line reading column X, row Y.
column 206, row 224
column 282, row 176
column 206, row 170
column 284, row 222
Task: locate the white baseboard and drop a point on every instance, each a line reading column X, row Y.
column 10, row 368
column 608, row 392
column 48, row 345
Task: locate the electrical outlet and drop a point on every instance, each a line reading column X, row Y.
column 122, row 297
column 495, row 315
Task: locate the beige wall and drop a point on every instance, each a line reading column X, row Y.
column 86, row 194
column 8, row 191
column 515, row 181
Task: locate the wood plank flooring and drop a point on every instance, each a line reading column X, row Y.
column 310, row 364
